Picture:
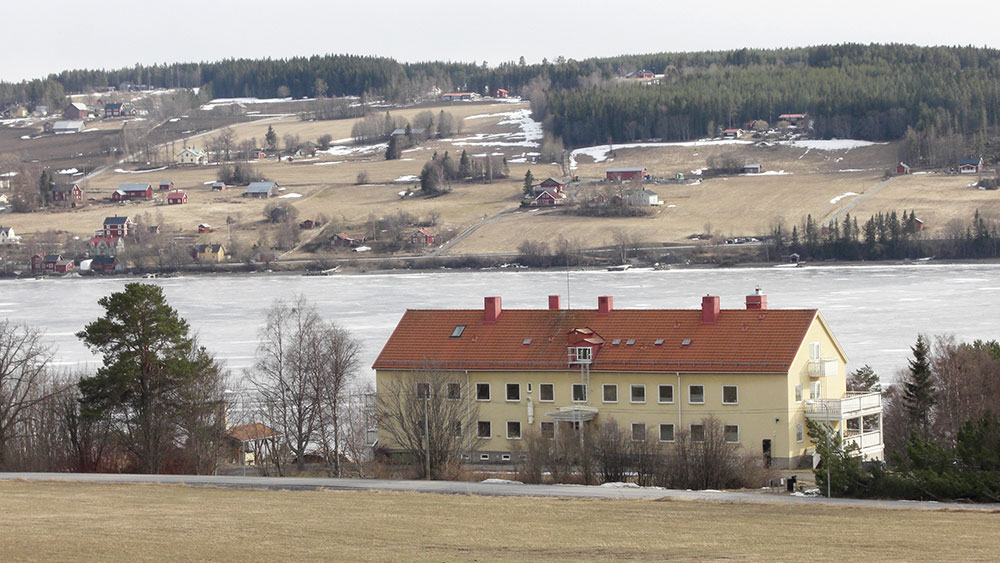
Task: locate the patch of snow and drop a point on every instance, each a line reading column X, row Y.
column 25, row 137
column 208, row 182
column 174, row 120
column 290, row 196
column 831, row 144
column 671, row 205
column 698, row 171
column 842, row 196
column 924, row 172
column 69, row 171
column 8, row 174
column 241, row 101
column 342, row 150
column 770, row 173
column 805, row 153
column 122, row 171
column 501, row 482
column 600, row 153
column 328, row 163
column 711, row 491
column 407, row 178
column 619, row 485
column 529, row 131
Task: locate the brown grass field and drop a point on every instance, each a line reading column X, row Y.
column 733, row 206
column 73, row 521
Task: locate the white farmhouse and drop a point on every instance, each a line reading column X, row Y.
column 7, row 236
column 188, row 155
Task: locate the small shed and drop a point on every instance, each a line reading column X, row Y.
column 902, row 168
column 973, row 165
column 261, row 190
column 177, row 198
column 219, row 186
column 166, row 185
column 752, row 168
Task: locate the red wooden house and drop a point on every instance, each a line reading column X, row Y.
column 177, row 198
column 166, row 185
column 549, row 198
column 104, row 264
column 218, row 186
column 50, row 264
column 346, row 240
column 76, row 111
column 551, row 184
column 126, row 192
column 422, row 237
column 116, row 227
column 626, row 174
column 66, row 192
column 501, row 93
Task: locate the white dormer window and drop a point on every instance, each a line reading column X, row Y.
column 581, row 355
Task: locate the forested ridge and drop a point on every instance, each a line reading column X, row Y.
column 871, row 92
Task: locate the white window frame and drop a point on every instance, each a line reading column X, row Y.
column 520, row 431
column 604, row 395
column 816, row 389
column 690, row 388
column 541, row 428
column 586, row 393
column 800, row 433
column 506, row 392
column 489, row 392
column 659, row 394
column 552, row 386
column 798, row 392
column 631, row 397
column 691, row 433
column 504, row 457
column 815, row 351
column 737, row 427
column 583, row 354
column 484, row 457
column 479, row 435
column 737, row 389
column 448, row 389
column 673, row 432
column 644, row 430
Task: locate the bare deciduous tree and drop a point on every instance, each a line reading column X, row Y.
column 24, row 360
column 428, row 414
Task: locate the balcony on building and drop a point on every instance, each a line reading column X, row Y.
column 858, row 418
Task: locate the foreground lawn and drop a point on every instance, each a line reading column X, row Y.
column 71, row 521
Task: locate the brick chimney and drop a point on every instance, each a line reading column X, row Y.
column 555, row 303
column 709, row 309
column 604, row 305
column 757, row 301
column 492, row 310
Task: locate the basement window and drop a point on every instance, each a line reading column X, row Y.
column 457, row 333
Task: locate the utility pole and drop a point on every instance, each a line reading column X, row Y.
column 427, row 439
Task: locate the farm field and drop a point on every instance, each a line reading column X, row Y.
column 801, row 178
column 61, row 521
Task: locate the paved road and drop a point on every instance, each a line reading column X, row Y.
column 486, row 489
column 854, row 202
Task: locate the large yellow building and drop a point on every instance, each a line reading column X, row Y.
column 759, row 371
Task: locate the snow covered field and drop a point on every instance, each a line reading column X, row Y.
column 870, row 308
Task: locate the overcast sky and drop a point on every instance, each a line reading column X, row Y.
column 42, row 38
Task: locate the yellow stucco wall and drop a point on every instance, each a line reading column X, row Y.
column 766, row 407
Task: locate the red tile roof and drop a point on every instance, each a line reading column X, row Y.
column 747, row 341
column 251, row 432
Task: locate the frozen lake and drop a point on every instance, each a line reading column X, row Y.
column 875, row 311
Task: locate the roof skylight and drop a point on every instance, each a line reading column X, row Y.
column 457, row 333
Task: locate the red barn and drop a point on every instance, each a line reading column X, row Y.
column 166, row 185
column 626, row 174
column 177, row 198
column 76, row 111
column 127, row 192
column 422, row 237
column 552, row 184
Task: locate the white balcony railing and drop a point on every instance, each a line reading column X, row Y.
column 823, row 367
column 855, row 404
column 869, row 443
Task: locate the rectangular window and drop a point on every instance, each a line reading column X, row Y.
column 610, row 393
column 666, row 432
column 730, row 395
column 423, row 390
column 484, row 457
column 798, row 393
column 513, row 430
column 696, row 394
column 816, row 389
column 457, row 428
column 548, row 430
column 637, row 394
column 513, row 391
column 454, row 391
column 731, row 433
column 697, row 432
column 484, row 429
column 583, row 354
column 457, row 333
column 666, row 394
column 579, row 393
column 799, row 433
column 546, row 392
column 504, row 457
column 482, row 391
column 638, row 432
column 814, row 351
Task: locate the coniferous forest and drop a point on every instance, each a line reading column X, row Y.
column 875, row 92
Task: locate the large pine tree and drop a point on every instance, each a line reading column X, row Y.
column 918, row 389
